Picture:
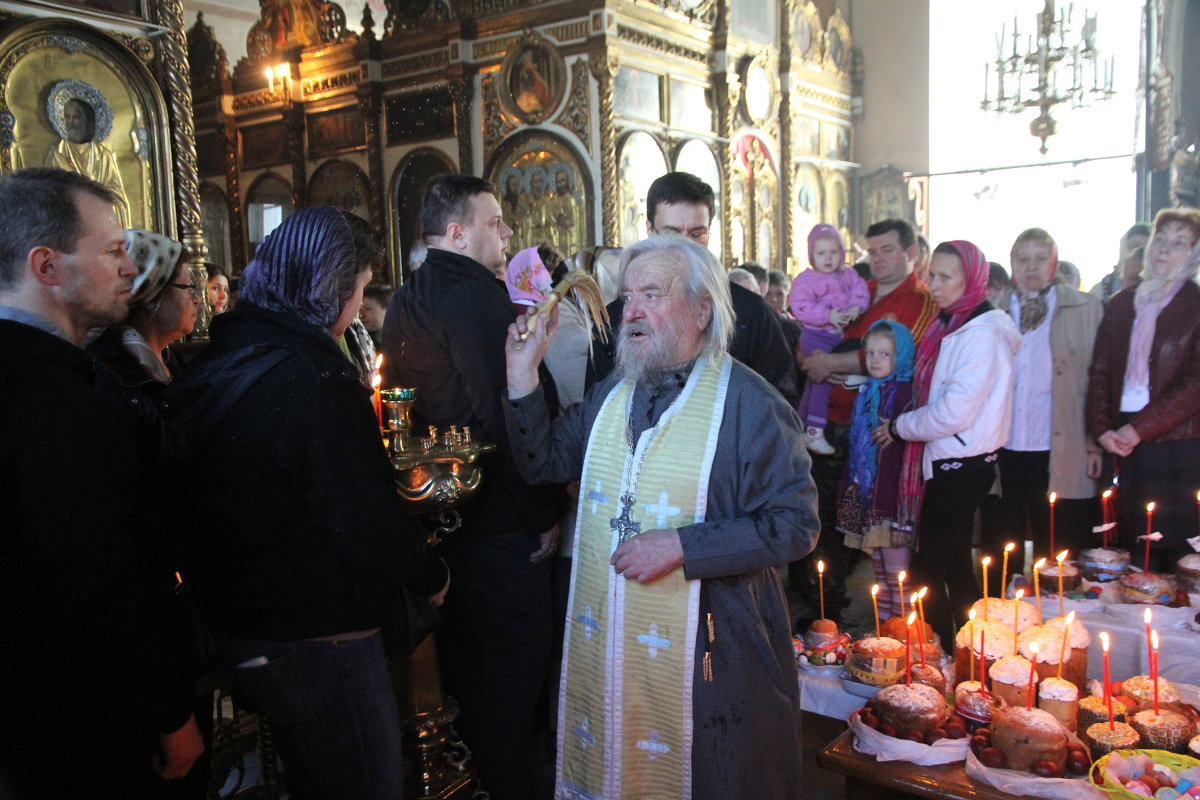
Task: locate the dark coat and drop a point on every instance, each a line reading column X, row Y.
column 1174, row 409
column 85, row 585
column 301, row 533
column 444, row 334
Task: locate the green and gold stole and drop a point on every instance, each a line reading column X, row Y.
column 625, row 707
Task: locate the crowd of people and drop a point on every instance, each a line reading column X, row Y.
column 613, row 596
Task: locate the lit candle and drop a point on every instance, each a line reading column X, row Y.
column 1037, row 590
column 821, row 588
column 1154, row 667
column 1033, row 649
column 987, row 562
column 1062, row 657
column 921, row 607
column 1147, row 616
column 971, row 642
column 1105, row 496
column 875, row 605
column 1008, row 548
column 1149, row 524
column 982, row 657
column 1060, row 558
column 1053, row 497
column 270, row 79
column 907, row 645
column 900, row 579
column 1198, row 504
column 1017, row 615
column 1107, row 689
column 377, row 399
column 920, row 631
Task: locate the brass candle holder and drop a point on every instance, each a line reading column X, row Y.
column 433, row 474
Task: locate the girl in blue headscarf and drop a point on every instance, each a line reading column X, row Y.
column 869, row 511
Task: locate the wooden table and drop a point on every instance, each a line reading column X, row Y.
column 868, row 779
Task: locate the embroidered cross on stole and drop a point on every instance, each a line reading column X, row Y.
column 625, row 710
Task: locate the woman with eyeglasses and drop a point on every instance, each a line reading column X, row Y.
column 135, row 363
column 1143, row 401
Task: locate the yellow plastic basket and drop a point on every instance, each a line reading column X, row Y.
column 1101, row 780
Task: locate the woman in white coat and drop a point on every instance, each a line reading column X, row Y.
column 962, row 390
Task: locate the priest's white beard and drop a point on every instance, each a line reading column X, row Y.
column 650, row 352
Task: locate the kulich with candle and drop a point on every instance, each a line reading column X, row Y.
column 1049, row 638
column 1010, row 679
column 1002, row 610
column 996, row 638
column 1059, row 697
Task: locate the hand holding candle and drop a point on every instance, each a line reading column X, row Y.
column 875, row 606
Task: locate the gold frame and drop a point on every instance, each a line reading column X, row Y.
column 838, row 25
column 807, row 10
column 759, row 62
column 39, row 55
column 555, row 82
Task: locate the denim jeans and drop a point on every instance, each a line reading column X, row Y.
column 332, row 709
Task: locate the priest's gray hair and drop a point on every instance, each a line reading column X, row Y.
column 706, row 280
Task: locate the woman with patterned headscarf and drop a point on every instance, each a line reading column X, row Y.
column 306, row 555
column 962, row 390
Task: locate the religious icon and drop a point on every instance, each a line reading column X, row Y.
column 542, row 195
column 534, row 76
column 82, row 117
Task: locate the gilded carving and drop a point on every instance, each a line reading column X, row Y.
column 424, row 62
column 495, row 125
column 576, row 117
column 434, row 13
column 643, row 39
column 328, row 83
column 140, row 45
column 604, row 68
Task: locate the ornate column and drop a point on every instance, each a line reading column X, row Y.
column 604, row 69
column 183, row 132
column 370, row 103
column 462, row 89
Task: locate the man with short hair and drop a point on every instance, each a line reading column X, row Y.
column 896, row 294
column 85, row 582
column 444, row 335
column 679, row 202
column 679, row 675
column 760, row 276
column 1049, row 449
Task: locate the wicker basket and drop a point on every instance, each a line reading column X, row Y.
column 1101, row 781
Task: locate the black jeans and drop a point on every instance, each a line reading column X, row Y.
column 1023, row 512
column 943, row 561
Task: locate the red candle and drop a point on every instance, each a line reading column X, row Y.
column 1053, row 497
column 907, row 645
column 1149, row 524
column 1104, row 497
column 1154, row 667
column 1032, row 674
column 971, row 642
column 1107, row 690
column 921, row 630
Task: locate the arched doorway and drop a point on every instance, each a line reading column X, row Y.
column 408, row 189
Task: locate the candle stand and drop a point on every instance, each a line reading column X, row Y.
column 433, row 474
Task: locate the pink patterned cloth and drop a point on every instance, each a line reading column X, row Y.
column 527, row 279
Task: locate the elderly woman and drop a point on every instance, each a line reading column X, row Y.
column 1143, row 403
column 305, row 558
column 962, row 387
column 136, row 365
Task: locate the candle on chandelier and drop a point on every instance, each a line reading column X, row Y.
column 1008, row 548
column 1053, row 497
column 900, row 579
column 971, row 642
column 1062, row 657
column 1154, row 667
column 1107, row 680
column 875, row 606
column 1149, row 525
column 907, row 645
column 1033, row 650
column 821, row 588
column 1017, row 615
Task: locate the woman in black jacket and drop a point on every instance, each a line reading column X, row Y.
column 304, row 546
